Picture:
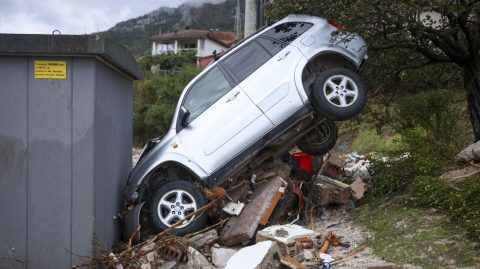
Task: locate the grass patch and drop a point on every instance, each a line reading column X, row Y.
column 367, row 140
column 423, row 237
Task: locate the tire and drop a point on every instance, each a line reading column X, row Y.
column 166, row 207
column 339, row 93
column 319, row 140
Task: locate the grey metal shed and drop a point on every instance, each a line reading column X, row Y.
column 65, row 146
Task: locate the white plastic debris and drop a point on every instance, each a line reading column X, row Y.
column 249, row 257
column 234, row 208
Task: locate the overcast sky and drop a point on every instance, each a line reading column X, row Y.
column 74, row 17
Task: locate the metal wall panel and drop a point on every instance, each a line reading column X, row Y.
column 13, row 161
column 65, row 155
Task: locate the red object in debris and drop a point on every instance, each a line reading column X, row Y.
column 301, row 199
column 304, row 161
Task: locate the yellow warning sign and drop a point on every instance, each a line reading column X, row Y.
column 50, row 69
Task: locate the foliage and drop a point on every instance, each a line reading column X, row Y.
column 414, row 34
column 156, row 96
column 460, row 199
column 432, row 127
column 167, row 61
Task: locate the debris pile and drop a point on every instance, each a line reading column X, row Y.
column 261, row 221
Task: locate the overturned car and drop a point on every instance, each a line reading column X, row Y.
column 283, row 86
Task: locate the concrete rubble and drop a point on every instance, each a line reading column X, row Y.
column 262, row 219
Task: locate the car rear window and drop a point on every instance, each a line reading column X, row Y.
column 272, row 46
column 246, row 60
column 287, row 32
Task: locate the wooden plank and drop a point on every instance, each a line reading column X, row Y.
column 240, row 229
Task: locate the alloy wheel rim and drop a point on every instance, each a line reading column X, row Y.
column 174, row 206
column 340, row 91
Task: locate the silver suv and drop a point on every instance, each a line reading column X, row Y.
column 278, row 88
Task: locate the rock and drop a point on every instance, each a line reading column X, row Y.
column 202, row 239
column 146, row 266
column 262, row 255
column 470, row 153
column 148, row 247
column 220, row 256
column 169, row 265
column 197, row 261
column 308, row 254
column 151, row 256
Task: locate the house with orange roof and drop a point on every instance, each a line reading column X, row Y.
column 204, row 42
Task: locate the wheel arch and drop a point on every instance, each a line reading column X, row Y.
column 161, row 171
column 324, row 60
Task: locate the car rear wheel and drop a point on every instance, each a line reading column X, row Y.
column 173, row 201
column 320, row 140
column 339, row 93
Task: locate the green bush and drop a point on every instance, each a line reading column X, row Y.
column 430, row 124
column 155, row 101
column 167, row 61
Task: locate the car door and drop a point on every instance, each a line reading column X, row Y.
column 223, row 121
column 272, row 86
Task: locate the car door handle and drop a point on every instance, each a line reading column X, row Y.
column 283, row 57
column 233, row 96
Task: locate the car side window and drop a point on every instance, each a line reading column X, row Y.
column 246, row 60
column 205, row 92
column 272, row 46
column 288, row 32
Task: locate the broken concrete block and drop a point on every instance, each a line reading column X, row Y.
column 303, row 243
column 308, row 254
column 197, row 261
column 470, row 153
column 220, row 256
column 358, row 188
column 240, row 229
column 285, row 235
column 263, row 255
column 329, row 191
column 202, row 239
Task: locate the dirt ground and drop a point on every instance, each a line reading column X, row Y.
column 337, row 221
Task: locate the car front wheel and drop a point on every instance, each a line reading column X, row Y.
column 339, row 93
column 173, row 201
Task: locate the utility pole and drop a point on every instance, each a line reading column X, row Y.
column 250, row 17
column 253, row 16
column 238, row 20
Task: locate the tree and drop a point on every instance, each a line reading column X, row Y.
column 441, row 31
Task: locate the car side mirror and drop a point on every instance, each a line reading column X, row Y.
column 183, row 116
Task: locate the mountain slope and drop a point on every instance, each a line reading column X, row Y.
column 134, row 33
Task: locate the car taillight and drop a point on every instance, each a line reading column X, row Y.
column 336, row 24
